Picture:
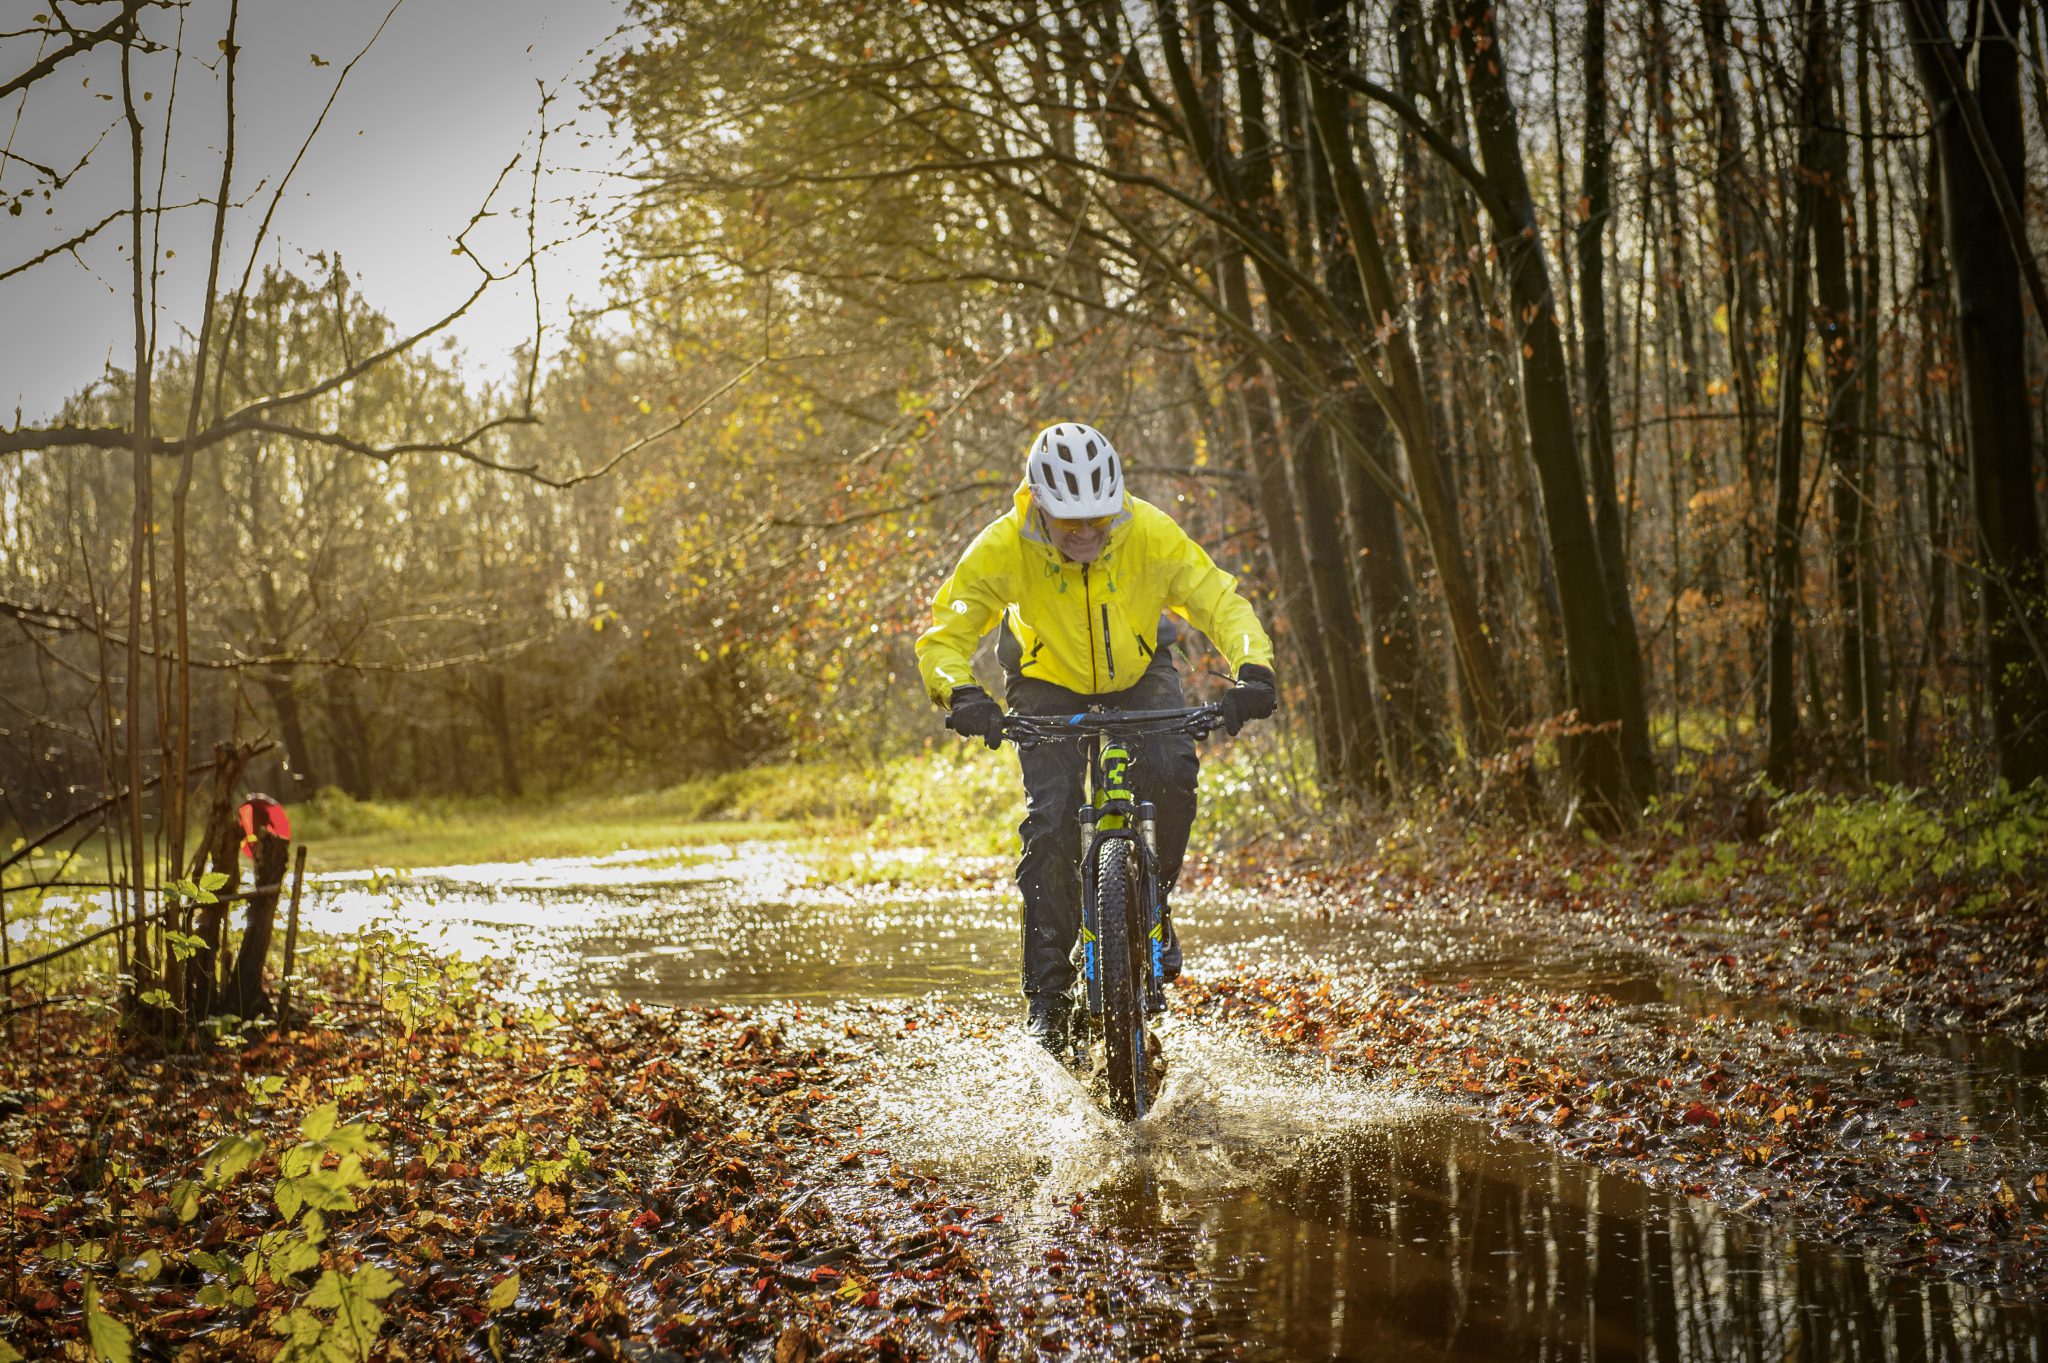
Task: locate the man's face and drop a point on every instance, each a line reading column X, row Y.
column 1081, row 540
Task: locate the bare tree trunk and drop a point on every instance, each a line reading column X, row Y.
column 1736, row 236
column 1841, row 351
column 1598, row 204
column 179, row 748
column 1321, row 501
column 143, row 527
column 1782, row 708
column 284, row 699
column 504, row 739
column 1317, row 495
column 1377, row 559
column 1872, row 687
column 1368, row 296
column 1840, row 346
column 1430, row 85
column 347, row 742
column 1991, row 333
column 1253, row 403
column 1403, row 703
column 1612, row 772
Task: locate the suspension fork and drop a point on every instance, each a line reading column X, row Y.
column 1092, row 825
column 1110, row 809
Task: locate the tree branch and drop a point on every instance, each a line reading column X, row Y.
column 83, row 42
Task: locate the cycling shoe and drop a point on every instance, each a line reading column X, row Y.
column 1045, row 1021
column 1169, row 951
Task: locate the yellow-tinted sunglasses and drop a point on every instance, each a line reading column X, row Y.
column 1079, row 524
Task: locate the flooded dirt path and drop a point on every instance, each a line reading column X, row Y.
column 1271, row 1207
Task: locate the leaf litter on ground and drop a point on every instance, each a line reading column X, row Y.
column 599, row 1180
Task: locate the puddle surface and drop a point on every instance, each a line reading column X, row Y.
column 1283, row 1211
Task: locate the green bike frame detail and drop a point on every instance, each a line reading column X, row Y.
column 1112, row 812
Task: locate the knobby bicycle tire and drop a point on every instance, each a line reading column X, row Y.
column 1121, row 944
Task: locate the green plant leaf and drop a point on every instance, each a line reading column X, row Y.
column 352, row 1139
column 300, row 1256
column 230, row 1156
column 357, row 1320
column 325, row 1190
column 112, row 1342
column 505, row 1293
column 300, row 1160
column 319, row 1122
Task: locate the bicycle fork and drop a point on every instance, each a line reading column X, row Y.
column 1097, row 828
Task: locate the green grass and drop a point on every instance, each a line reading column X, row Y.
column 466, row 835
column 941, row 798
column 955, row 798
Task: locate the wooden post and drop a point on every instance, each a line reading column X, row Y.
column 291, row 939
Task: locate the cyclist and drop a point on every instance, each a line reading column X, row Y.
column 1076, row 576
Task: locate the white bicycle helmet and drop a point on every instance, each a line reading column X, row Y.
column 1074, row 472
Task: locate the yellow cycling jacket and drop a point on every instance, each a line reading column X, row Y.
column 1090, row 627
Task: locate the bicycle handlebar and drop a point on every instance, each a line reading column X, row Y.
column 1197, row 721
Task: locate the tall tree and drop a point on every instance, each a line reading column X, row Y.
column 1978, row 128
column 1613, row 773
column 1782, row 706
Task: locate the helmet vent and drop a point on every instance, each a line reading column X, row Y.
column 1074, row 472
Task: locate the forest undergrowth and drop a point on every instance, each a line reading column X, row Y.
column 1899, row 904
column 438, row 1176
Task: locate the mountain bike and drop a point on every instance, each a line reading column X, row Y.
column 1123, row 928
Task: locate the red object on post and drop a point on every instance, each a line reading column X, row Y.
column 260, row 811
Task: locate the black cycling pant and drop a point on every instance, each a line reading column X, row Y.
column 1055, row 783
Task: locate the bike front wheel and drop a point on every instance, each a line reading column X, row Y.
column 1120, row 930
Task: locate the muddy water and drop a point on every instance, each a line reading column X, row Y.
column 1273, row 1209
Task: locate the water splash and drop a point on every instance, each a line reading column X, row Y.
column 982, row 1103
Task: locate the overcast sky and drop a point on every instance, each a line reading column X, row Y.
column 424, row 123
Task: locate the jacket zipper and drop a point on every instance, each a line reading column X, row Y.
column 1088, row 615
column 1108, row 649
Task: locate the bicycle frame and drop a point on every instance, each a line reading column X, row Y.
column 1111, row 810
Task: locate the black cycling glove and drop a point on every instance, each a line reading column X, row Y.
column 976, row 715
column 1254, row 697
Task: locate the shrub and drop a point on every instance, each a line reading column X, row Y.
column 1897, row 838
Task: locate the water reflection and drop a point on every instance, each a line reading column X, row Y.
column 1434, row 1240
column 1294, row 1213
